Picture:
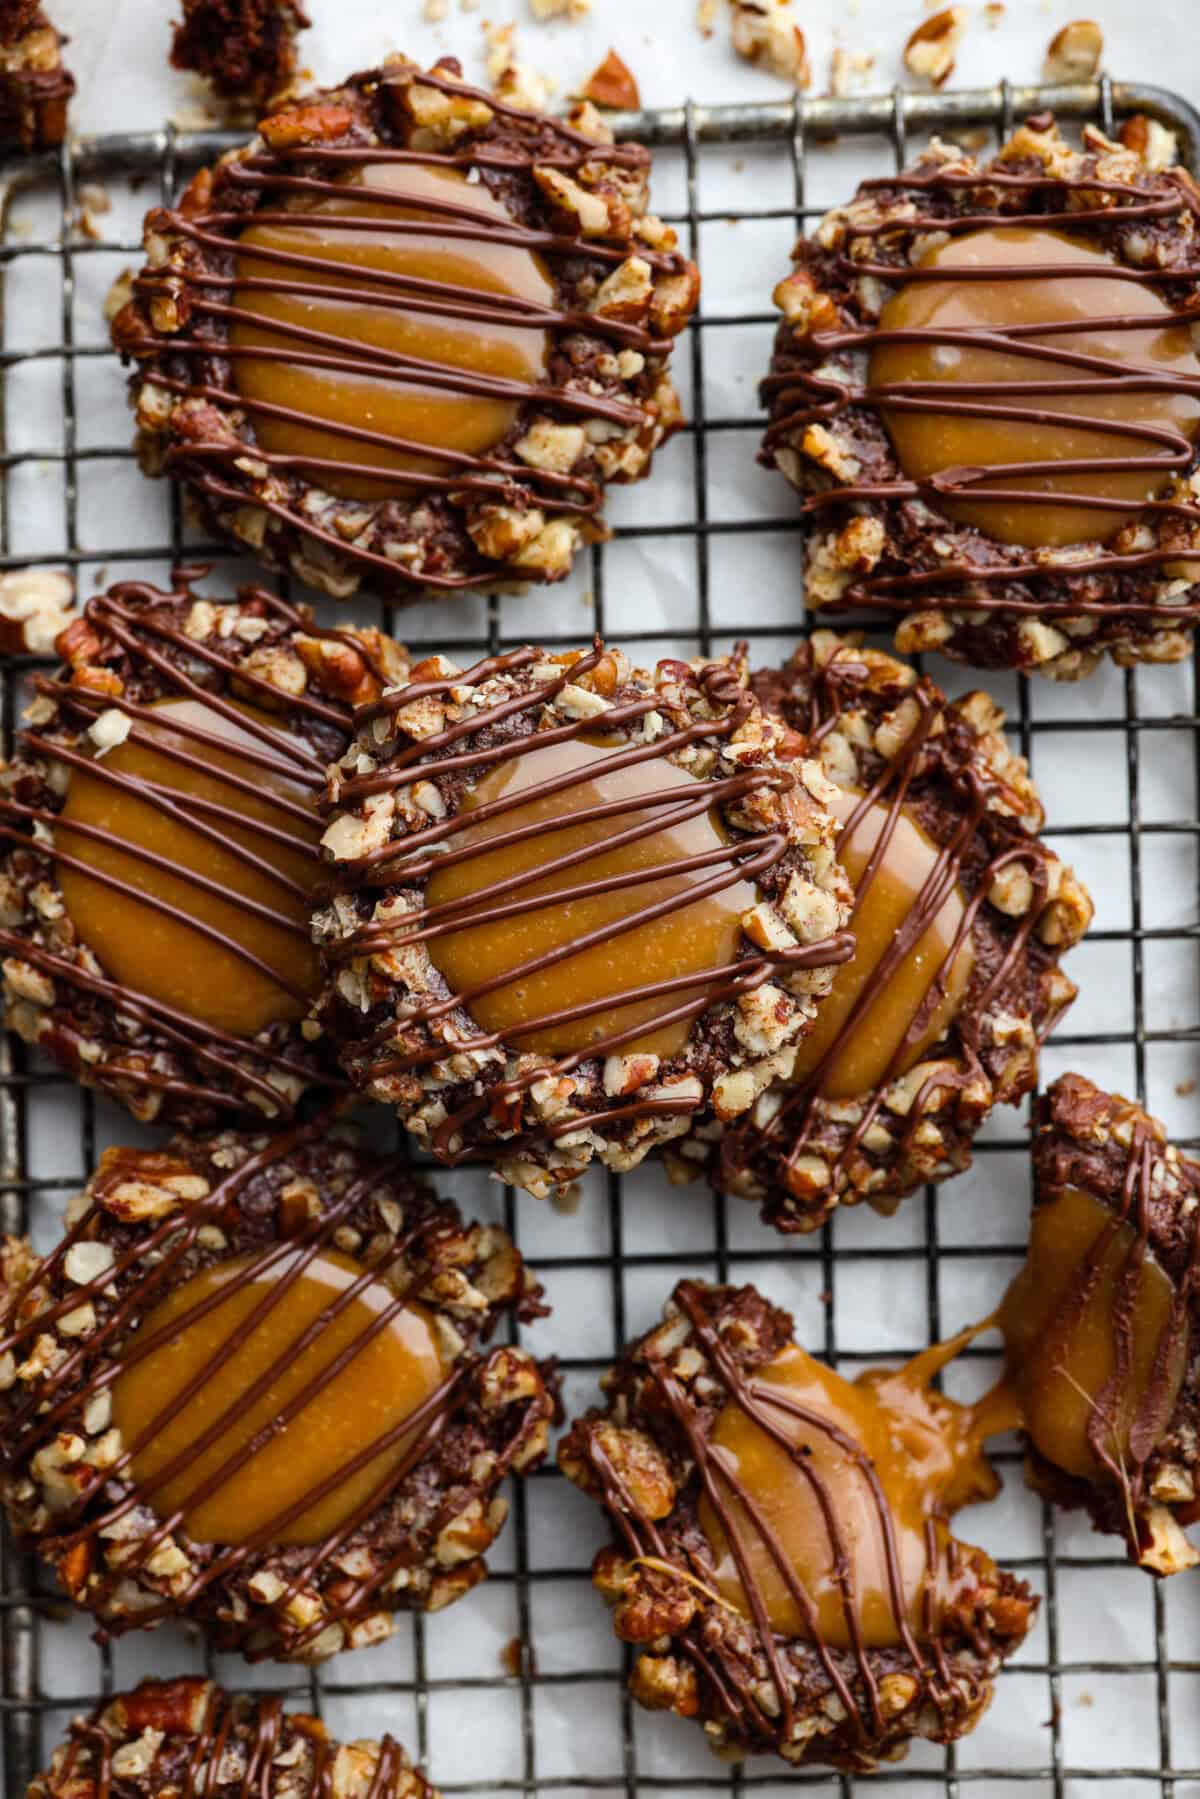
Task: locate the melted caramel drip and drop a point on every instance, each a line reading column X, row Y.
column 694, row 938
column 198, row 1383
column 839, row 1490
column 855, row 1061
column 387, row 352
column 161, row 954
column 1080, row 287
column 1096, row 1351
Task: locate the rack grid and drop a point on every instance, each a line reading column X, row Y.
column 521, row 1688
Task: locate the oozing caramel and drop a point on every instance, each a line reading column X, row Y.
column 161, row 956
column 931, row 442
column 387, row 354
column 822, row 1519
column 885, row 904
column 690, row 938
column 251, row 1475
column 1087, row 1286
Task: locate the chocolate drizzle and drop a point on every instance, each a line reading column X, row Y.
column 789, row 1130
column 804, row 391
column 144, row 1268
column 137, row 621
column 674, row 1554
column 406, row 862
column 203, row 1735
column 1107, row 1153
column 207, row 291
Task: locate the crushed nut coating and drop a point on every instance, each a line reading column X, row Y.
column 885, row 543
column 646, row 1457
column 1108, row 1149
column 147, row 1222
column 125, row 653
column 402, row 792
column 190, row 1738
column 619, row 292
column 878, row 729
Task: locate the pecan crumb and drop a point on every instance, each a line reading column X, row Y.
column 1074, row 52
column 35, row 605
column 766, row 32
column 612, row 83
column 930, row 51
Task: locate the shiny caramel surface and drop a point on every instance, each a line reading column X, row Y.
column 1086, row 1282
column 394, row 350
column 925, row 1454
column 928, row 443
column 255, row 1483
column 162, row 956
column 862, row 1060
column 692, row 938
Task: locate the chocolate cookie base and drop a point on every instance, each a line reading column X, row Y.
column 132, row 647
column 542, row 1118
column 35, row 88
column 519, row 510
column 702, row 1659
column 872, row 724
column 245, row 49
column 147, row 1222
column 1092, row 1140
column 880, row 544
column 187, row 1736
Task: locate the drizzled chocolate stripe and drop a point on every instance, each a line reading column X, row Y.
column 401, row 864
column 156, row 1262
column 789, row 1131
column 126, row 615
column 192, row 1758
column 801, row 396
column 724, row 1489
column 212, row 294
column 1147, row 1410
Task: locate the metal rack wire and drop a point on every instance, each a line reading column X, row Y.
column 627, row 1252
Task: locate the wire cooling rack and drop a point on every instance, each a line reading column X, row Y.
column 521, row 1688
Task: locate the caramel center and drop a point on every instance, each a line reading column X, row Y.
column 259, row 1477
column 903, row 890
column 1095, row 1351
column 807, row 1517
column 1082, row 296
column 415, row 334
column 687, row 938
column 208, row 974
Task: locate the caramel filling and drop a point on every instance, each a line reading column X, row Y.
column 812, row 1499
column 931, row 442
column 255, row 1473
column 414, row 328
column 162, row 955
column 1095, row 1349
column 904, row 882
column 687, row 938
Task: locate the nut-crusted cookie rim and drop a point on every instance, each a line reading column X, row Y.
column 992, row 798
column 171, row 640
column 659, row 1444
column 523, row 505
column 712, row 711
column 135, row 1225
